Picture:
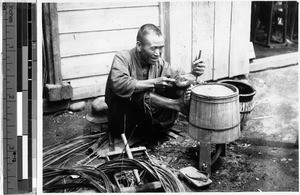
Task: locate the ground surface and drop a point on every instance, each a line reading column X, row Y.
column 264, row 158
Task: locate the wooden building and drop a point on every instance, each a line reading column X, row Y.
column 85, row 36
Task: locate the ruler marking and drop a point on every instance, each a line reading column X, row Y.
column 19, row 47
column 32, row 145
column 20, row 157
column 23, row 42
column 19, row 60
column 26, row 56
column 25, row 156
column 19, row 113
column 11, row 100
column 25, row 112
column 10, row 142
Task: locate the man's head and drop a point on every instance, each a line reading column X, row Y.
column 150, row 43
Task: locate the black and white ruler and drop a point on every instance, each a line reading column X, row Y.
column 19, row 95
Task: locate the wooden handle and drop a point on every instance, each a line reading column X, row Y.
column 128, row 151
column 199, row 56
column 129, row 154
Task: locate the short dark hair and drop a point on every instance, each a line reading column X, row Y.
column 145, row 30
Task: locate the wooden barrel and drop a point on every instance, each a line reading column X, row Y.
column 214, row 115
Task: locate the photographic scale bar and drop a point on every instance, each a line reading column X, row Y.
column 19, row 96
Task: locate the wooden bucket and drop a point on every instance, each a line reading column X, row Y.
column 214, row 115
column 246, row 95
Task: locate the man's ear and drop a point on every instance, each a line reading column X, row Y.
column 139, row 46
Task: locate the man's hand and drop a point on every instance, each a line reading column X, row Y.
column 185, row 100
column 151, row 83
column 185, row 80
column 187, row 94
column 198, row 67
column 164, row 81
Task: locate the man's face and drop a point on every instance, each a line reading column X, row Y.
column 152, row 48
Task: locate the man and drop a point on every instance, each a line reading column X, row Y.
column 143, row 92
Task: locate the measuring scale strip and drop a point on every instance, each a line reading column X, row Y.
column 22, row 93
column 10, row 98
column 19, row 122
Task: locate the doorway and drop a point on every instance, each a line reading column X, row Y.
column 274, row 27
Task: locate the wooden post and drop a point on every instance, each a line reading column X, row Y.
column 164, row 12
column 269, row 32
column 55, row 90
column 292, row 14
column 205, row 158
column 285, row 10
column 223, row 153
column 51, row 42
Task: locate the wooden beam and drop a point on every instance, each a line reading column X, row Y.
column 51, row 42
column 86, row 65
column 274, row 62
column 205, row 157
column 79, row 44
column 239, row 39
column 71, row 6
column 164, row 12
column 106, row 19
column 203, row 34
column 222, row 23
column 55, row 90
column 181, row 35
column 62, row 91
column 88, row 87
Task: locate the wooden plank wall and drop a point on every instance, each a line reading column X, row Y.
column 203, row 34
column 91, row 33
column 221, row 39
column 180, row 36
column 240, row 37
column 221, row 29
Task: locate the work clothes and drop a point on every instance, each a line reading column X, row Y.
column 128, row 109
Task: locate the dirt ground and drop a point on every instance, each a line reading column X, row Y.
column 264, row 158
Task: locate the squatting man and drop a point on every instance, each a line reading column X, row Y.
column 143, row 92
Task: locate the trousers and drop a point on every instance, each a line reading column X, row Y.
column 139, row 116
